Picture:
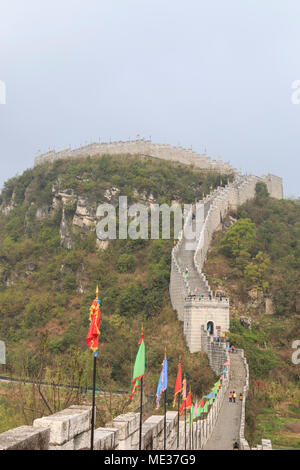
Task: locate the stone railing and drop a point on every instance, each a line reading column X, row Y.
column 243, row 443
column 70, row 429
column 179, row 286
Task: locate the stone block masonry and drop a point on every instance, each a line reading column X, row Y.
column 143, row 148
column 25, row 438
column 69, row 429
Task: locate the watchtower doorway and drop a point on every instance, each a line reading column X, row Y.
column 210, row 327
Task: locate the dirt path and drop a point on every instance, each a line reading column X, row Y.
column 226, row 430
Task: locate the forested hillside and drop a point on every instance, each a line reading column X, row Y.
column 256, row 262
column 50, row 264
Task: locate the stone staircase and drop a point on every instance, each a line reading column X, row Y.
column 195, row 283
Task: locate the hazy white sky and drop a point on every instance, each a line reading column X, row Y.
column 216, row 74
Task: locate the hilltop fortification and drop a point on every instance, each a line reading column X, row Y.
column 145, row 148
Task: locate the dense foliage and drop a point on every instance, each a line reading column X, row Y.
column 46, row 290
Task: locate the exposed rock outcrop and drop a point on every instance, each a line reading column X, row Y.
column 66, row 240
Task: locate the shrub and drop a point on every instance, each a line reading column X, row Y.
column 126, row 263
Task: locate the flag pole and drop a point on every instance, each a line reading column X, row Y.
column 141, row 406
column 192, row 418
column 185, row 427
column 191, row 424
column 196, row 432
column 178, row 411
column 94, row 347
column 165, row 417
column 165, row 421
column 178, row 421
column 190, row 434
column 93, row 405
column 141, row 416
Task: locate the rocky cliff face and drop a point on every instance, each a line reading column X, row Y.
column 79, row 213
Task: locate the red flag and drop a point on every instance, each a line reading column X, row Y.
column 189, row 401
column 182, row 408
column 178, row 384
column 92, row 338
column 186, row 404
column 202, row 403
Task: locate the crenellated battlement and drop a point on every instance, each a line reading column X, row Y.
column 144, row 148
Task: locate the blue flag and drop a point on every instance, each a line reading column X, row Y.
column 163, row 381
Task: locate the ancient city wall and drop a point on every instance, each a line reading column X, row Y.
column 139, row 147
column 222, row 200
column 191, row 310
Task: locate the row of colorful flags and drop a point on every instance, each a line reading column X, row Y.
column 197, row 408
column 180, row 390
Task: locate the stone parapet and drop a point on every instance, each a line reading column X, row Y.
column 25, row 438
column 143, row 148
column 66, row 425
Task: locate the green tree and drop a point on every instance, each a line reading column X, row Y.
column 126, row 263
column 239, row 238
column 256, row 272
column 261, row 192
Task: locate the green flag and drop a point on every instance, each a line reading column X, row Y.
column 139, row 366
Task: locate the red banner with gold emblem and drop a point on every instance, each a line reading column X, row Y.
column 92, row 338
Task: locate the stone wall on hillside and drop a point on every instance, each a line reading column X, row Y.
column 145, row 148
column 197, row 311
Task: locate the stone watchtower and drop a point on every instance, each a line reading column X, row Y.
column 212, row 315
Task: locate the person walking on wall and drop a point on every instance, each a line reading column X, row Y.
column 234, row 396
column 230, row 397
